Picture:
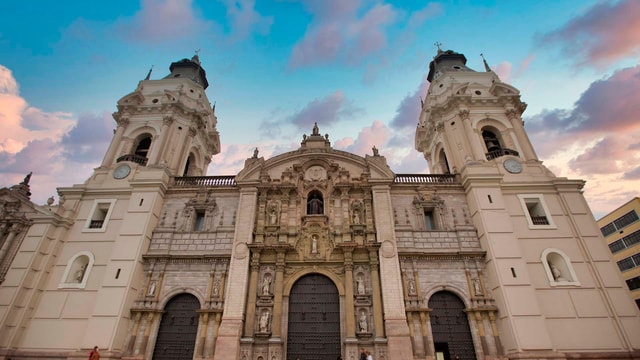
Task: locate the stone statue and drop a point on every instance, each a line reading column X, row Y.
column 315, row 129
column 26, row 179
column 362, row 323
column 360, row 285
column 273, row 215
column 356, row 218
column 266, row 285
column 412, row 287
column 255, row 153
column 375, row 151
column 152, row 289
column 264, row 322
column 557, row 275
column 216, row 288
column 314, row 244
column 79, row 275
column 476, row 287
column 315, row 206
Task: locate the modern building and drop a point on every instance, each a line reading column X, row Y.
column 314, row 253
column 621, row 231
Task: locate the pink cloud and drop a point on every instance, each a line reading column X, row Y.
column 608, row 31
column 409, row 109
column 245, row 19
column 339, row 32
column 164, row 20
column 503, row 70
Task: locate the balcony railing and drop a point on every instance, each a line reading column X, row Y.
column 539, row 220
column 502, row 152
column 96, row 224
column 133, row 158
column 201, row 181
column 424, row 179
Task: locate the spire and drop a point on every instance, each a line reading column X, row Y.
column 486, row 66
column 149, row 73
column 213, row 108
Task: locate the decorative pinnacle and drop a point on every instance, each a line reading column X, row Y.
column 486, row 66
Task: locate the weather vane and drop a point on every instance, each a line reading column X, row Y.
column 438, row 45
column 197, row 51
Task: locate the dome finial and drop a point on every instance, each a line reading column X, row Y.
column 486, row 66
column 438, row 44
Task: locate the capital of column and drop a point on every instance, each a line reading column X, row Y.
column 167, row 120
column 464, row 114
column 121, row 119
column 192, row 131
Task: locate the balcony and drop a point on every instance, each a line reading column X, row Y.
column 133, row 158
column 539, row 220
column 200, row 181
column 424, row 179
column 96, row 224
column 500, row 152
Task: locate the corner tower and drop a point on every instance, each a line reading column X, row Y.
column 555, row 285
column 167, row 123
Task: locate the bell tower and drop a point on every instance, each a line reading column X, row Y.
column 166, row 123
column 543, row 246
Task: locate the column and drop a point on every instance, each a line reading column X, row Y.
column 377, row 294
column 426, row 338
column 251, row 298
column 481, row 332
column 134, row 334
column 472, row 139
column 277, row 295
column 15, row 230
column 204, row 323
column 348, row 294
column 110, row 155
column 158, row 144
column 227, row 343
column 147, row 330
column 528, row 152
column 494, row 331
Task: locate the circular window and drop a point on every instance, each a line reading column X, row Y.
column 441, row 85
column 154, row 101
column 478, row 92
column 457, row 67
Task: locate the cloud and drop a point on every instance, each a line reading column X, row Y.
column 88, row 141
column 607, row 32
column 163, row 20
column 596, row 139
column 244, row 19
column 325, row 111
column 338, row 31
column 408, row 111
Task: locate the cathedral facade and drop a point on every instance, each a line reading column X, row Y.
column 316, row 253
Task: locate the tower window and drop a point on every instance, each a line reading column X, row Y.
column 143, row 146
column 99, row 216
column 491, row 141
column 315, row 203
column 536, row 211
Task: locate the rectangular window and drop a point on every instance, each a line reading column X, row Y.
column 626, row 264
column 619, row 223
column 429, row 220
column 625, row 242
column 536, row 211
column 199, row 223
column 634, row 283
column 99, row 215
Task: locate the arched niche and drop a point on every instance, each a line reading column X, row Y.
column 558, row 268
column 77, row 271
column 315, row 203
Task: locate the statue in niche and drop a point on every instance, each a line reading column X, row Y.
column 266, row 285
column 362, row 323
column 216, row 287
column 264, row 321
column 314, row 205
column 79, row 275
column 360, row 285
column 314, row 244
column 412, row 287
column 152, row 289
column 356, row 218
column 477, row 289
column 273, row 214
column 557, row 275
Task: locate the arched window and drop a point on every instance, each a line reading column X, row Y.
column 187, row 166
column 315, row 203
column 444, row 164
column 77, row 271
column 557, row 266
column 143, row 145
column 491, row 140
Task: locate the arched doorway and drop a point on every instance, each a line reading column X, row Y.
column 314, row 319
column 178, row 327
column 450, row 327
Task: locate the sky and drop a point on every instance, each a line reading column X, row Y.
column 356, row 67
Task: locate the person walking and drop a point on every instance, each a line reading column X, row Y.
column 94, row 354
column 363, row 355
column 369, row 356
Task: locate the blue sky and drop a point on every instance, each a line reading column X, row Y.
column 357, row 67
